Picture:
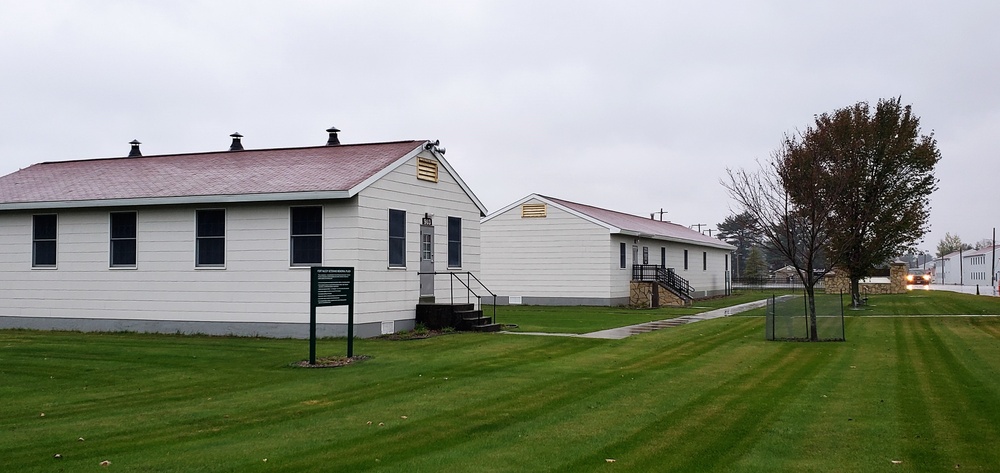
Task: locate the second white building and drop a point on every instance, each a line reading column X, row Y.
column 547, row 251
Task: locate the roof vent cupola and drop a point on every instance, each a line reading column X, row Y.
column 334, row 140
column 236, row 146
column 134, row 152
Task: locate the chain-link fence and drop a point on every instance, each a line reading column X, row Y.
column 769, row 283
column 788, row 318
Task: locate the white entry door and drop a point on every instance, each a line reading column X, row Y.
column 427, row 263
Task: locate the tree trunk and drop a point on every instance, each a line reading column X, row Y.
column 811, row 302
column 855, row 292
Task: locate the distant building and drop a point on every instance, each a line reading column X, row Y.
column 946, row 269
column 967, row 267
column 548, row 251
column 786, row 275
column 979, row 267
column 222, row 242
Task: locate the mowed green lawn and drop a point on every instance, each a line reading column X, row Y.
column 582, row 319
column 708, row 396
column 591, row 319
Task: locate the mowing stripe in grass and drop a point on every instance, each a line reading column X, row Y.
column 713, row 427
column 918, row 431
column 516, row 407
column 963, row 403
column 986, row 327
column 707, row 396
column 951, row 401
column 829, row 424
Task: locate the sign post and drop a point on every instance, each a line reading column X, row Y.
column 331, row 287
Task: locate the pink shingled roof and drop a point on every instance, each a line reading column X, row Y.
column 641, row 225
column 320, row 168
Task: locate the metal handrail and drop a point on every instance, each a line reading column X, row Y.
column 664, row 276
column 468, row 286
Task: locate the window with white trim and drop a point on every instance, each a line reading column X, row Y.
column 454, row 242
column 123, row 239
column 306, row 246
column 210, row 238
column 43, row 240
column 397, row 238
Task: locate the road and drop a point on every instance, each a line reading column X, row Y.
column 983, row 290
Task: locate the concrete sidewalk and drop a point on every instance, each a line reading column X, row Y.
column 624, row 332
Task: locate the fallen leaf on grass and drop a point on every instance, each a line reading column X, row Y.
column 610, row 460
column 897, row 462
column 105, row 463
column 403, row 417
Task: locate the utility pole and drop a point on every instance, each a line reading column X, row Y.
column 699, row 225
column 961, row 268
column 661, row 212
column 709, row 231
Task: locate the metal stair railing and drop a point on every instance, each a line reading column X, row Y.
column 664, row 276
column 469, row 277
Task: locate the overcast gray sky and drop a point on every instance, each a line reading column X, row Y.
column 626, row 105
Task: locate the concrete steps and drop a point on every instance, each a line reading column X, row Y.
column 462, row 317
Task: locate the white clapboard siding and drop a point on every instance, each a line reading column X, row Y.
column 564, row 256
column 704, row 282
column 560, row 255
column 388, row 291
column 257, row 283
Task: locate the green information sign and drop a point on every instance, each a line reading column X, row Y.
column 331, row 287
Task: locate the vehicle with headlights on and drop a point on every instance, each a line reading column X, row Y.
column 921, row 279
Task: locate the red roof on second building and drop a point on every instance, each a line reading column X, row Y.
column 642, row 225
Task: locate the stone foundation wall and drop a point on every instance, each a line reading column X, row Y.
column 837, row 282
column 669, row 299
column 641, row 296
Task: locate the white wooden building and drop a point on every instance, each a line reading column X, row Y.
column 547, row 251
column 978, row 267
column 968, row 268
column 222, row 242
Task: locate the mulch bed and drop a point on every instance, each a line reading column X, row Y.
column 415, row 335
column 331, row 361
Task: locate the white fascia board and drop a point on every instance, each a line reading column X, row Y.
column 720, row 245
column 611, row 228
column 183, row 200
column 507, row 208
column 408, row 156
column 384, row 171
column 460, row 181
